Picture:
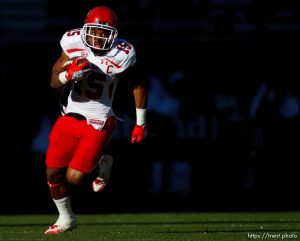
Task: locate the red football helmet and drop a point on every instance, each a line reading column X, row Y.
column 100, row 28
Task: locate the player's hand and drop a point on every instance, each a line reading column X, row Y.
column 78, row 69
column 139, row 133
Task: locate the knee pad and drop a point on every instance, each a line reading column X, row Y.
column 54, row 185
column 55, row 178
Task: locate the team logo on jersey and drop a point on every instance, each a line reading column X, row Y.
column 84, row 54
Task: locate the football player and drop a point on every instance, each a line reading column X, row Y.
column 91, row 60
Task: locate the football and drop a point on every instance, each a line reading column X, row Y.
column 80, row 61
column 77, row 61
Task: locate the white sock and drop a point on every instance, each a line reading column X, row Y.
column 64, row 209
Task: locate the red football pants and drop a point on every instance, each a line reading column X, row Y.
column 73, row 143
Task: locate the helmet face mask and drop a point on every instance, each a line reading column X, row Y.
column 99, row 36
column 100, row 29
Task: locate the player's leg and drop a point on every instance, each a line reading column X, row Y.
column 87, row 159
column 60, row 151
column 58, row 182
column 103, row 173
column 59, row 190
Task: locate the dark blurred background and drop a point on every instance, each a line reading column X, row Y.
column 223, row 114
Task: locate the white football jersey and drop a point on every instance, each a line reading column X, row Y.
column 93, row 96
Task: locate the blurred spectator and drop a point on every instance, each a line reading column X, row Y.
column 171, row 172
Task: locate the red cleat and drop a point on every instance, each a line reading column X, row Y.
column 99, row 184
column 59, row 229
column 55, row 229
column 105, row 165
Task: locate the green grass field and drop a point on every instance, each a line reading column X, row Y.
column 159, row 227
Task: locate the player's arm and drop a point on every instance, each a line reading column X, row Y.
column 66, row 70
column 57, row 69
column 140, row 98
